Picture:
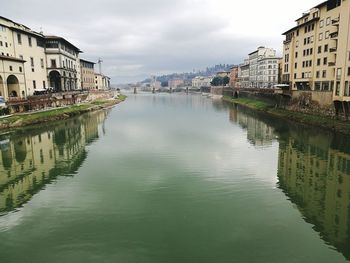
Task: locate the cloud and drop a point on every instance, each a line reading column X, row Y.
column 138, row 38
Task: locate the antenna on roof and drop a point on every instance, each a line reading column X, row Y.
column 100, row 64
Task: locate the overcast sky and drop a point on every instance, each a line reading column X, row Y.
column 138, row 38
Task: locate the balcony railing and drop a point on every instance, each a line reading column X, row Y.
column 335, row 21
column 331, row 64
column 333, row 49
column 334, row 35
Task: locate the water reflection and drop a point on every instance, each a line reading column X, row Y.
column 313, row 172
column 32, row 159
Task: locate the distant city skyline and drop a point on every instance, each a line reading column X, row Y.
column 137, row 39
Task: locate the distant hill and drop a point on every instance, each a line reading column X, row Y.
column 209, row 71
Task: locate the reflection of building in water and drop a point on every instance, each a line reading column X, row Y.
column 259, row 133
column 317, row 179
column 29, row 162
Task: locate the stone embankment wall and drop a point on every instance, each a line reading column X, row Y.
column 312, row 102
column 218, row 91
column 100, row 95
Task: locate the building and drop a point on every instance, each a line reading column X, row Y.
column 268, row 72
column 200, row 82
column 234, row 77
column 243, row 74
column 316, row 52
column 175, row 83
column 102, row 82
column 87, row 74
column 23, row 59
column 223, row 74
column 63, row 64
column 254, row 59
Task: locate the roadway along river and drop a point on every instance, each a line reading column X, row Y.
column 174, row 178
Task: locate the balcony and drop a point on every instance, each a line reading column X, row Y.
column 334, row 35
column 333, row 49
column 335, row 21
column 331, row 64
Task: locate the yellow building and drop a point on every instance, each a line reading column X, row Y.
column 316, row 53
column 87, row 74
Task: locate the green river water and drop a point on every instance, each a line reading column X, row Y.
column 174, row 178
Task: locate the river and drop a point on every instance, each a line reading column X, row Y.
column 174, row 178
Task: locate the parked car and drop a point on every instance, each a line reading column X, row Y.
column 2, row 102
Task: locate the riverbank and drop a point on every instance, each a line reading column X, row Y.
column 307, row 119
column 33, row 118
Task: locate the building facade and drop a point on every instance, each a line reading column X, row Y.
column 254, row 59
column 267, row 72
column 102, row 82
column 199, row 82
column 63, row 64
column 87, row 74
column 23, row 52
column 174, row 83
column 316, row 53
column 234, row 77
column 243, row 74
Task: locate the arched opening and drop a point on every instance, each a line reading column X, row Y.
column 55, row 80
column 13, row 86
column 2, row 88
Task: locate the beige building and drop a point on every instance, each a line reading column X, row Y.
column 102, row 82
column 23, row 55
column 63, row 64
column 87, row 74
column 316, row 53
column 199, row 82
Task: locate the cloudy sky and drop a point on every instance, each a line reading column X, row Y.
column 139, row 38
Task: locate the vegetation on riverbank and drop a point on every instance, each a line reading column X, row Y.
column 26, row 119
column 308, row 119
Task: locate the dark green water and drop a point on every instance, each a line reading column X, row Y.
column 174, row 178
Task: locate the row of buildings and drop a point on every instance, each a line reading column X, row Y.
column 316, row 56
column 31, row 61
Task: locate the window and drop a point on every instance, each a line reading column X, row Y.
column 53, row 63
column 349, row 71
column 19, row 38
column 317, row 74
column 11, row 68
column 34, row 84
column 42, row 62
column 346, row 89
column 296, row 65
column 320, row 37
column 321, row 23
column 327, row 35
column 30, row 41
column 337, row 88
column 325, row 60
column 20, row 69
column 326, row 48
column 328, row 21
column 44, row 84
column 319, row 50
column 318, row 62
column 6, row 45
column 324, row 73
column 1, row 44
column 32, row 61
